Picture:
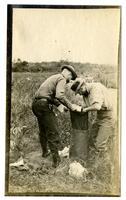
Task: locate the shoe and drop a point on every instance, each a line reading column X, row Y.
column 55, row 164
column 56, row 161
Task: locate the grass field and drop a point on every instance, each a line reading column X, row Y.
column 40, row 177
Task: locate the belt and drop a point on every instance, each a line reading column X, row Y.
column 46, row 98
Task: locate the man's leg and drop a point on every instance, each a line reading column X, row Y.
column 53, row 138
column 106, row 130
column 48, row 128
column 43, row 137
column 39, row 107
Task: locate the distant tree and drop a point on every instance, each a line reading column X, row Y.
column 20, row 66
column 24, row 63
column 18, row 60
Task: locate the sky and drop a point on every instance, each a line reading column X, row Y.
column 78, row 35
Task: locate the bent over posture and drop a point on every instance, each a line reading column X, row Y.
column 97, row 98
column 52, row 92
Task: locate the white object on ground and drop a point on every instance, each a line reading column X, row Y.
column 77, row 170
column 19, row 162
column 64, row 152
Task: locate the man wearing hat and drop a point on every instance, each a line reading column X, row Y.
column 97, row 98
column 52, row 92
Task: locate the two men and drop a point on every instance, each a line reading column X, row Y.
column 97, row 98
column 52, row 92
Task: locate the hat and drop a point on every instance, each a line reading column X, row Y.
column 71, row 69
column 77, row 84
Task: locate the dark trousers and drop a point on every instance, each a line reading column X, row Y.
column 47, row 122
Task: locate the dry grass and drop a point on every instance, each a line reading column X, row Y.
column 44, row 179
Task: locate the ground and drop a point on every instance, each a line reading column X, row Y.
column 38, row 176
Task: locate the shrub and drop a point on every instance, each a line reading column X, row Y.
column 105, row 74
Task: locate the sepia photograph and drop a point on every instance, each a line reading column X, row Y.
column 63, row 100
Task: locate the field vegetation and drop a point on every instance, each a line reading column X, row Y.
column 39, row 177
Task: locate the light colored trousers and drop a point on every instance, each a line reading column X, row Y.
column 102, row 129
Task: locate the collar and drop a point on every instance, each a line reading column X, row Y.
column 88, row 87
column 64, row 77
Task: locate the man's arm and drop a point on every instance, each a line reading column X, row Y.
column 60, row 95
column 94, row 107
column 95, row 98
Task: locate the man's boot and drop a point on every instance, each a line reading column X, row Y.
column 45, row 151
column 56, row 159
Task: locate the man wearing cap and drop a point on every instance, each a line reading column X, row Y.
column 52, row 92
column 97, row 98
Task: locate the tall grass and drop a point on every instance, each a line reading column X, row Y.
column 24, row 129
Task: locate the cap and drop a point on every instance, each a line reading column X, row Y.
column 71, row 69
column 77, row 84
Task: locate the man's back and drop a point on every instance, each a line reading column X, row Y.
column 98, row 93
column 48, row 87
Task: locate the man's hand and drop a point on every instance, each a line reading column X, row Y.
column 84, row 110
column 62, row 108
column 77, row 108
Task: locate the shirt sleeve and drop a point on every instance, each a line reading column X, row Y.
column 60, row 88
column 60, row 93
column 96, row 96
